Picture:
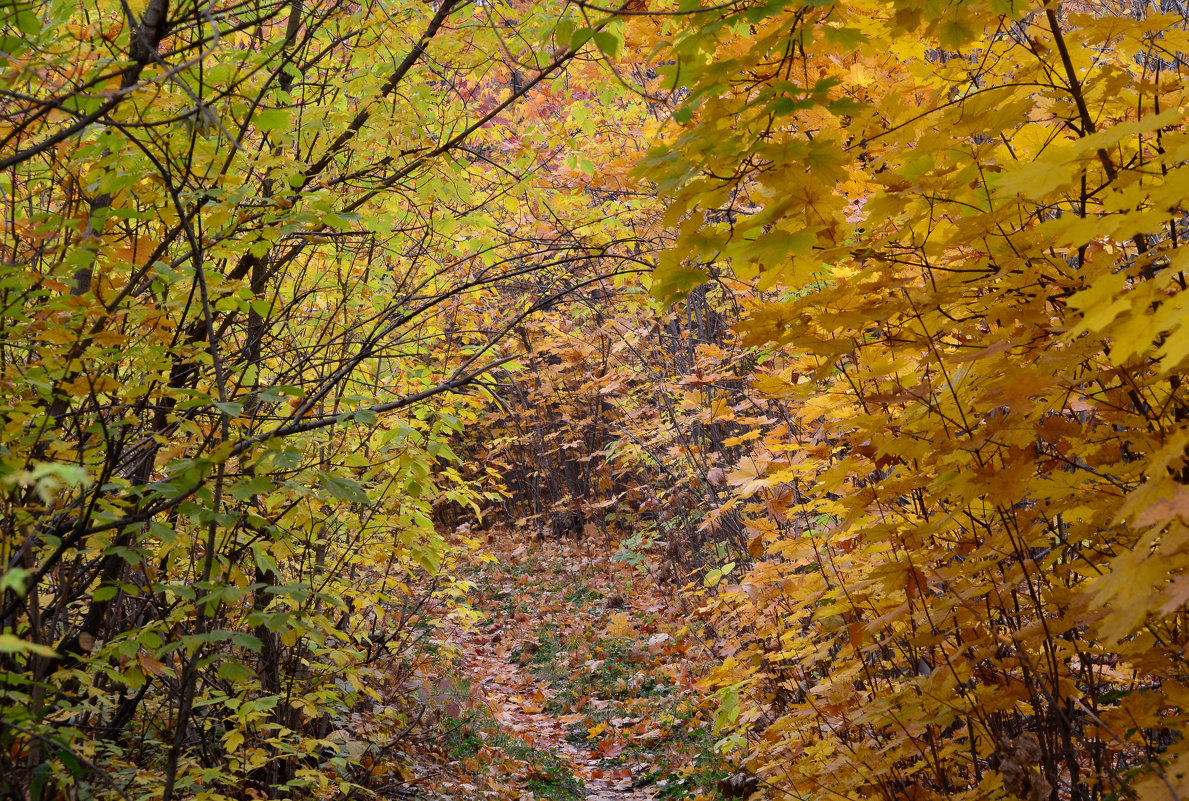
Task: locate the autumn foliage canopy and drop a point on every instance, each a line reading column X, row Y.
column 867, row 319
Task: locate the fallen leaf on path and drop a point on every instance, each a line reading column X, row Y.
column 620, row 626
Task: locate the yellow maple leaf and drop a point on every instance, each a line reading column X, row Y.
column 620, row 625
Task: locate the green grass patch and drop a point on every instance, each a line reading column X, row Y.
column 549, row 776
column 552, row 778
column 583, row 596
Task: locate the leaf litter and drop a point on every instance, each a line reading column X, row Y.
column 576, row 677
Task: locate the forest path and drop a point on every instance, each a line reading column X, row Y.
column 586, row 664
column 517, row 699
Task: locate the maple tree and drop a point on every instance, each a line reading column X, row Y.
column 964, row 222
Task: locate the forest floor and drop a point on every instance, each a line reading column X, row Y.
column 578, row 680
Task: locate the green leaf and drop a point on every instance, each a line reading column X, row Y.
column 429, row 557
column 105, row 593
column 13, row 45
column 38, row 780
column 343, row 489
column 13, row 580
column 251, row 488
column 580, row 37
column 272, row 119
column 27, row 21
column 673, row 284
column 230, row 408
column 846, row 38
column 264, row 561
column 12, row 644
column 728, row 708
column 72, row 763
column 608, row 42
column 235, row 672
column 241, row 640
column 784, row 105
column 563, row 31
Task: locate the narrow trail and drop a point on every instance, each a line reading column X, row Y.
column 516, row 699
column 586, row 673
